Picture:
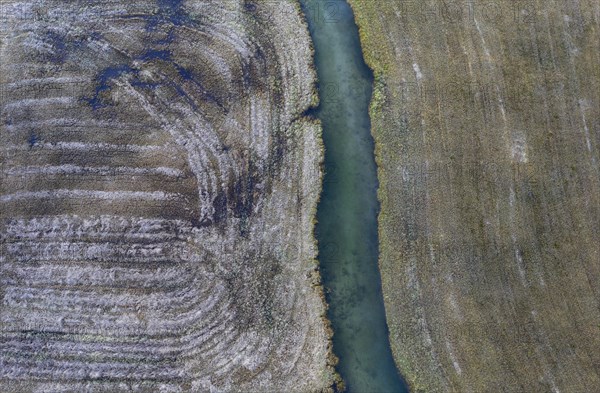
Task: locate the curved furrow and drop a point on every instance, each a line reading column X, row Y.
column 113, row 301
column 156, row 208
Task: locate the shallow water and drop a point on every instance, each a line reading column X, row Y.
column 347, row 213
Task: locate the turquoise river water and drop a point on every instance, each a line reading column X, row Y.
column 347, row 213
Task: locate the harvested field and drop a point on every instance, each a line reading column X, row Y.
column 157, row 199
column 486, row 119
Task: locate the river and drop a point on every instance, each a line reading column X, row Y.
column 347, row 212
